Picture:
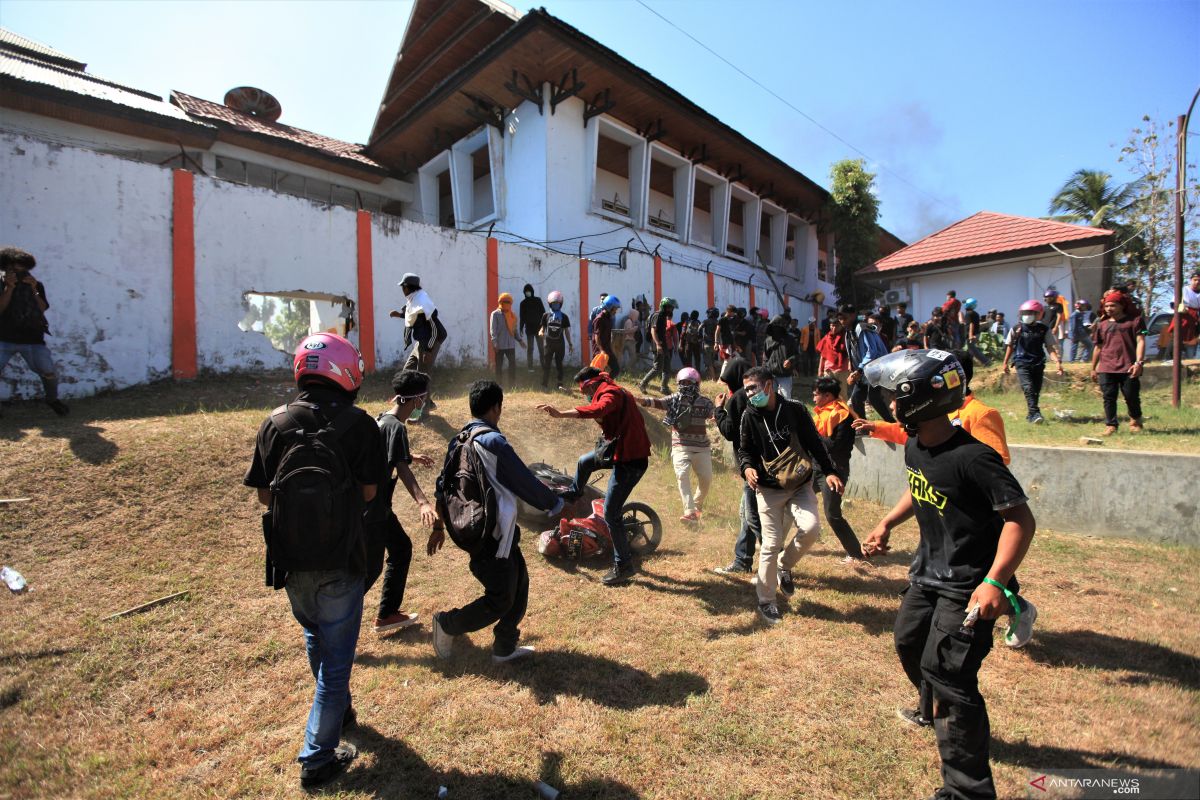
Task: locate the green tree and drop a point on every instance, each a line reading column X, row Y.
column 1091, row 198
column 287, row 326
column 854, row 211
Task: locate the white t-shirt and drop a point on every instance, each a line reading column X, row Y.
column 1191, row 299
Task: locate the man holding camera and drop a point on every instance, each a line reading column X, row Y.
column 23, row 325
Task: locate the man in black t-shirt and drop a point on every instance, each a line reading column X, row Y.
column 384, row 529
column 663, row 352
column 976, row 527
column 327, row 602
column 23, row 324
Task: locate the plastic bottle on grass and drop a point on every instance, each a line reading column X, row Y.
column 13, row 579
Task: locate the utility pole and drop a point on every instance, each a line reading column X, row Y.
column 1181, row 127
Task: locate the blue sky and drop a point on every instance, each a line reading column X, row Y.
column 977, row 105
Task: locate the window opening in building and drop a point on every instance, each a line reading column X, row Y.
column 667, row 194
column 612, row 175
column 709, row 195
column 736, row 237
column 287, row 317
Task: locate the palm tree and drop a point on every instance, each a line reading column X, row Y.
column 1090, row 198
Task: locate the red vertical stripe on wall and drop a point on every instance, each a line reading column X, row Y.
column 712, row 295
column 585, row 345
column 493, row 289
column 366, row 292
column 752, row 303
column 183, row 275
column 657, row 280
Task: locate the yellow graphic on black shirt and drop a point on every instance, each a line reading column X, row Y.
column 922, row 490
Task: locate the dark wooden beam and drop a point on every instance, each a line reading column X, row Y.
column 653, row 131
column 530, row 92
column 734, row 174
column 597, row 106
column 563, row 90
column 486, row 111
column 698, row 154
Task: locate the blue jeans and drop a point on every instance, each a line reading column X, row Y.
column 1081, row 348
column 328, row 603
column 37, row 357
column 625, row 475
column 751, row 533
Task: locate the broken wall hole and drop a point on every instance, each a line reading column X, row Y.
column 285, row 318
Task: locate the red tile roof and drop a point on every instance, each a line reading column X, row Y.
column 216, row 112
column 985, row 234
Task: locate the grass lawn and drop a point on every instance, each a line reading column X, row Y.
column 1073, row 408
column 668, row 688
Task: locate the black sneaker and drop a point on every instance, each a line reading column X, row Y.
column 59, row 407
column 342, row 756
column 787, row 584
column 733, row 568
column 914, row 717
column 349, row 719
column 619, row 575
column 770, row 613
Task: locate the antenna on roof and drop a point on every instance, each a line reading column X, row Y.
column 254, row 102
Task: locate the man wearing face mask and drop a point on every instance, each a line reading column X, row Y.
column 775, row 433
column 505, row 337
column 555, row 331
column 1026, row 347
column 422, row 326
column 863, row 345
column 624, row 448
column 531, row 312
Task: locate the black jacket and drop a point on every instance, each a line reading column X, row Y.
column 781, row 346
column 531, row 311
column 729, row 417
column 755, row 447
column 841, row 445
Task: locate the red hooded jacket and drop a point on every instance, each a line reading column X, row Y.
column 619, row 416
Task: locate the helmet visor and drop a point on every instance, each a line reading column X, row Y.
column 888, row 372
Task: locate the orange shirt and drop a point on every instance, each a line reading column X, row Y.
column 828, row 417
column 981, row 421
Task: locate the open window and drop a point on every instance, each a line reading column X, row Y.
column 475, row 168
column 618, row 167
column 742, row 235
column 795, row 248
column 668, row 198
column 287, row 317
column 710, row 200
column 437, row 197
column 772, row 234
column 825, row 257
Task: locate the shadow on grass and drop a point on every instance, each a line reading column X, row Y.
column 86, row 441
column 50, row 652
column 553, row 673
column 874, row 621
column 1091, row 649
column 851, row 583
column 398, row 771
column 1048, row 758
column 718, row 595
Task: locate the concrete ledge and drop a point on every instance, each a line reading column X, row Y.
column 1105, row 493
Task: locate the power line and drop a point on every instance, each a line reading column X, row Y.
column 808, row 117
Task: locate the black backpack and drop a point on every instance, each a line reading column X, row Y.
column 316, row 504
column 23, row 315
column 466, row 502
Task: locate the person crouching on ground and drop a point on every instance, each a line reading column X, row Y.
column 834, row 420
column 497, row 562
column 975, row 527
column 688, row 413
column 385, row 531
column 776, row 440
column 314, row 533
column 624, row 448
column 502, row 326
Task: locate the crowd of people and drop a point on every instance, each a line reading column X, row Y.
column 327, row 472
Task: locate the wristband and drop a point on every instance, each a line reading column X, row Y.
column 1012, row 599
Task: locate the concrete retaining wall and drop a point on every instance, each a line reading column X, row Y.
column 1105, row 493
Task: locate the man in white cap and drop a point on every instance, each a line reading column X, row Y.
column 422, row 325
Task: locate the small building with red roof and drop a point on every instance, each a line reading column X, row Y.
column 1001, row 260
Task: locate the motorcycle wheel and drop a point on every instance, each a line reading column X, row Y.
column 642, row 527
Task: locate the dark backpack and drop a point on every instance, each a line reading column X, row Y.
column 316, row 504
column 466, row 501
column 23, row 315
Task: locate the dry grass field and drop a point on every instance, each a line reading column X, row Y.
column 668, row 688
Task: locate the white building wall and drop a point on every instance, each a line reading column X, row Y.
column 100, row 229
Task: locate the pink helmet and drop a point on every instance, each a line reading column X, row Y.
column 762, row 312
column 554, row 297
column 687, row 374
column 1032, row 305
column 329, row 356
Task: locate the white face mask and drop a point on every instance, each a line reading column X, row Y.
column 1028, row 318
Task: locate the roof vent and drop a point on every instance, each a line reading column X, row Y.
column 255, row 102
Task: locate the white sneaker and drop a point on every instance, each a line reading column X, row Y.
column 1019, row 636
column 520, row 652
column 443, row 643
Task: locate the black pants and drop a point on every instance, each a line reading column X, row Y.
column 554, row 351
column 833, row 515
column 388, row 535
column 1031, row 377
column 860, row 393
column 505, row 598
column 751, row 533
column 614, row 364
column 695, row 356
column 530, row 340
column 662, row 366
column 942, row 659
column 511, row 354
column 1130, row 388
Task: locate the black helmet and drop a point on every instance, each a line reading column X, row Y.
column 926, row 383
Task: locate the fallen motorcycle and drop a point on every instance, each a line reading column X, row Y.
column 579, row 530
